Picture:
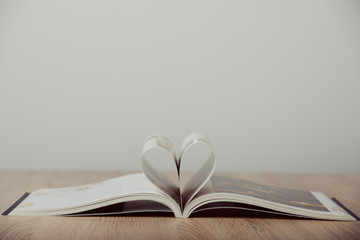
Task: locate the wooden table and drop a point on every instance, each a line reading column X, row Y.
column 344, row 187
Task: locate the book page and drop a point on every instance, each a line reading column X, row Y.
column 290, row 197
column 194, row 184
column 47, row 199
column 157, row 152
column 198, row 154
column 225, row 189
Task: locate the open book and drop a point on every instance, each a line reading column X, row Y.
column 177, row 192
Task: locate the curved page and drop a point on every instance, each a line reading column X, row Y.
column 69, row 200
column 222, row 188
column 159, row 151
column 199, row 155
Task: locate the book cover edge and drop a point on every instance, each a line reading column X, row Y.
column 12, row 207
column 346, row 209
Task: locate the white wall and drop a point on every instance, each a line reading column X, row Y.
column 274, row 84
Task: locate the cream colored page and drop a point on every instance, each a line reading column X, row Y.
column 57, row 198
column 196, row 149
column 158, row 152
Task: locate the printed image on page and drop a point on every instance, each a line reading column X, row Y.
column 296, row 198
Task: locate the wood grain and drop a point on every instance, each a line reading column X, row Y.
column 13, row 184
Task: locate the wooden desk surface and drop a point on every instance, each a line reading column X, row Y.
column 344, row 187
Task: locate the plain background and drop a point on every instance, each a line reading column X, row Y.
column 275, row 85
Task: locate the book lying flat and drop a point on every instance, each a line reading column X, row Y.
column 180, row 193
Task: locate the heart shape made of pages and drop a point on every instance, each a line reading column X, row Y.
column 197, row 155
